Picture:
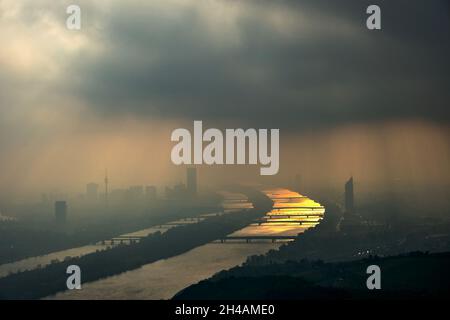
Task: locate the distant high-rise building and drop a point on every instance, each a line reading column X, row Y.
column 191, row 183
column 349, row 202
column 60, row 211
column 92, row 192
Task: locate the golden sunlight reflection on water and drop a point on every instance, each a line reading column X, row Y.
column 292, row 213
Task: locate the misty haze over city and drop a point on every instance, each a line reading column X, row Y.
column 101, row 99
column 87, row 178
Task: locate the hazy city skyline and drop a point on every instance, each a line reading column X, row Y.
column 252, row 150
column 348, row 101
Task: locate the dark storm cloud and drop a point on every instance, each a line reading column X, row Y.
column 324, row 68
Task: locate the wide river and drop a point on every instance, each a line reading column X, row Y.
column 292, row 213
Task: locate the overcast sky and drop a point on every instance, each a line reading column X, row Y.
column 294, row 65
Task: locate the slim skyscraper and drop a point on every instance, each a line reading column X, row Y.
column 191, row 181
column 349, row 202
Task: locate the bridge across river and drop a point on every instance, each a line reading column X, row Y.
column 281, row 214
column 123, row 240
column 289, row 216
column 299, row 207
column 281, row 221
column 249, row 239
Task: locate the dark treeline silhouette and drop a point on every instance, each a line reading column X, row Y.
column 52, row 279
column 413, row 275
